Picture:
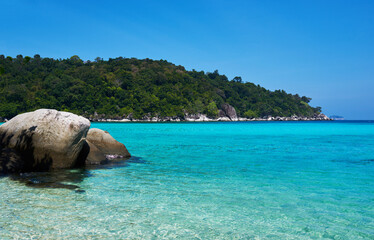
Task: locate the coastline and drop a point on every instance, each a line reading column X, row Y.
column 201, row 118
column 204, row 118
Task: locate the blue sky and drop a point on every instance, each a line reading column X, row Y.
column 320, row 49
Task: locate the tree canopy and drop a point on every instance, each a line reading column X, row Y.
column 120, row 86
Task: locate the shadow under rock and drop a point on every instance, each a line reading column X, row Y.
column 68, row 178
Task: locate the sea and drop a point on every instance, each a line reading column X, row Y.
column 224, row 180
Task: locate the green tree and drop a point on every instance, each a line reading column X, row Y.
column 250, row 114
column 212, row 110
column 237, row 79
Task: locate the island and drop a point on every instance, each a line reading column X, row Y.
column 130, row 89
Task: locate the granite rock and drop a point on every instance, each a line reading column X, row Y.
column 43, row 140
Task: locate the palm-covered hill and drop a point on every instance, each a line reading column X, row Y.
column 121, row 86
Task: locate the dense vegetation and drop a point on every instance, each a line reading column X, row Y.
column 121, row 86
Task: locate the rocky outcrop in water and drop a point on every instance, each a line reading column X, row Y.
column 103, row 147
column 47, row 139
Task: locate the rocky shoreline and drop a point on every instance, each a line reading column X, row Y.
column 226, row 114
column 204, row 118
column 48, row 139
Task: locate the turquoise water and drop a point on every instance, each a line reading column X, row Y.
column 261, row 180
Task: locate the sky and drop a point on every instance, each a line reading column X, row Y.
column 323, row 49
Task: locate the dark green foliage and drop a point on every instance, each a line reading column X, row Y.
column 121, row 86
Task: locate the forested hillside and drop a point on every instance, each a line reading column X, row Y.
column 121, row 86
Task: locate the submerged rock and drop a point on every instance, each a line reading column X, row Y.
column 42, row 140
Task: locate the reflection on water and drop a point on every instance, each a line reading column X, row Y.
column 68, row 178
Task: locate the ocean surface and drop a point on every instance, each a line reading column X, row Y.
column 240, row 180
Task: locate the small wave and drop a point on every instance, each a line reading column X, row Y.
column 356, row 162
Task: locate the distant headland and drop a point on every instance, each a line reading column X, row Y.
column 130, row 89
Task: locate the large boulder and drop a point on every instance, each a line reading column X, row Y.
column 104, row 142
column 45, row 139
column 229, row 111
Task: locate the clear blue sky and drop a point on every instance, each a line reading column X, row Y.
column 320, row 49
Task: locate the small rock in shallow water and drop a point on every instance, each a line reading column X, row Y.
column 106, row 143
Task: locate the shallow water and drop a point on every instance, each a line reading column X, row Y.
column 259, row 180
